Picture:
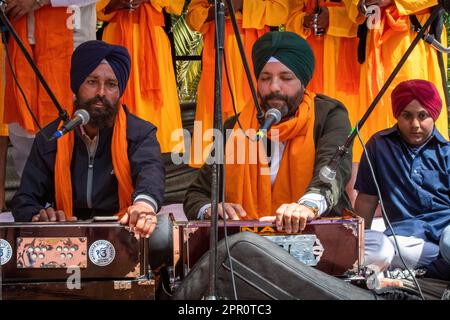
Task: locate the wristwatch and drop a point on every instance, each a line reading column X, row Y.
column 310, row 205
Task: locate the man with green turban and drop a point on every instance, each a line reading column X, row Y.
column 283, row 185
column 288, row 48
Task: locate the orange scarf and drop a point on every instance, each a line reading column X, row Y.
column 347, row 80
column 249, row 37
column 147, row 18
column 52, row 53
column 348, row 75
column 317, row 46
column 121, row 165
column 391, row 23
column 249, row 184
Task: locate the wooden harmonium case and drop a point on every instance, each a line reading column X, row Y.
column 71, row 260
column 334, row 246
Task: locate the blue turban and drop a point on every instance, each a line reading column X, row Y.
column 287, row 47
column 88, row 55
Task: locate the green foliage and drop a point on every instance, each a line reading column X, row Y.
column 187, row 43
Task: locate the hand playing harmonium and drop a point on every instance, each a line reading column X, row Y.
column 289, row 217
column 52, row 215
column 140, row 218
column 233, row 211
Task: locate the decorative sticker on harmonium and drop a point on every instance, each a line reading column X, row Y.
column 42, row 253
column 102, row 253
column 5, row 251
column 306, row 248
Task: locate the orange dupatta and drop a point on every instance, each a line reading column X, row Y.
column 146, row 17
column 249, row 184
column 391, row 22
column 249, row 37
column 317, row 45
column 52, row 53
column 121, row 165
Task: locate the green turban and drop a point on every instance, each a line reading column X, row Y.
column 287, row 47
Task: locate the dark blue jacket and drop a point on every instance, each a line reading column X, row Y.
column 37, row 185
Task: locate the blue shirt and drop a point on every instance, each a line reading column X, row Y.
column 414, row 182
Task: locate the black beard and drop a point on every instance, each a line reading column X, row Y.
column 100, row 118
column 292, row 103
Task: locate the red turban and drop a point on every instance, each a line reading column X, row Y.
column 423, row 91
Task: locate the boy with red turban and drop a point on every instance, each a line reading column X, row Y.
column 411, row 164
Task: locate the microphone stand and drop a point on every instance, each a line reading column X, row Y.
column 5, row 22
column 328, row 172
column 217, row 167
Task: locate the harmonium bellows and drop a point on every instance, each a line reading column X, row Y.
column 73, row 260
column 332, row 245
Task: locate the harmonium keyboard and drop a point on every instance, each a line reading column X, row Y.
column 332, row 245
column 73, row 260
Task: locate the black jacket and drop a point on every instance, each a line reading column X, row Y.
column 37, row 185
column 331, row 128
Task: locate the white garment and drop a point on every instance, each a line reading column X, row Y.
column 21, row 141
column 381, row 251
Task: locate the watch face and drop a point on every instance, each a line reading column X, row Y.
column 310, row 204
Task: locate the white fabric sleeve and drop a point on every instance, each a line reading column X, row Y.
column 201, row 213
column 147, row 199
column 318, row 199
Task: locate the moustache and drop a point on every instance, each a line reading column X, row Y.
column 277, row 96
column 98, row 99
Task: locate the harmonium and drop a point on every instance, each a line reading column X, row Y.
column 73, row 260
column 332, row 245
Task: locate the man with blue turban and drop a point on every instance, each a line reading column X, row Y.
column 283, row 185
column 111, row 165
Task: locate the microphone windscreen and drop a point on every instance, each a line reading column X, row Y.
column 83, row 114
column 274, row 113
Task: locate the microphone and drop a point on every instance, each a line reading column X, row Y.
column 430, row 39
column 273, row 116
column 327, row 173
column 435, row 44
column 81, row 117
